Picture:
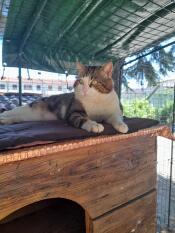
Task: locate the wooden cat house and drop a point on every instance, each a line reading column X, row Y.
column 93, row 185
column 89, row 183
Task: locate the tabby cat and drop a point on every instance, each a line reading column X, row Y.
column 94, row 101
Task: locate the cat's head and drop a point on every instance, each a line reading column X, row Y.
column 94, row 79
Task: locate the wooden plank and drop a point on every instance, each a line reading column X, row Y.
column 99, row 177
column 88, row 222
column 136, row 217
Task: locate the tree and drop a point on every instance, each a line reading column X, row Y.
column 150, row 68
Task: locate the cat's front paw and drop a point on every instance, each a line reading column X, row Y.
column 121, row 127
column 93, row 126
column 97, row 128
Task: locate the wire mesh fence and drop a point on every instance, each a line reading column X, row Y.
column 154, row 102
column 157, row 102
column 91, row 31
column 165, row 195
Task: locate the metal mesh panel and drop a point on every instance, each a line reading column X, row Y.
column 52, row 35
column 157, row 102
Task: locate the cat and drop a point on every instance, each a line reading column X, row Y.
column 93, row 101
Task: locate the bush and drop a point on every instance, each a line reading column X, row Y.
column 165, row 114
column 144, row 109
column 139, row 108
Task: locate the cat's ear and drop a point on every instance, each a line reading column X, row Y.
column 108, row 69
column 81, row 68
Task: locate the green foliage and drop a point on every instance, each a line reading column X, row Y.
column 144, row 109
column 139, row 108
column 165, row 114
column 142, row 70
column 151, row 68
column 164, row 60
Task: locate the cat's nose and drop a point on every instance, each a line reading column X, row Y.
column 85, row 90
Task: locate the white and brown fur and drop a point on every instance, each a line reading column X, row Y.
column 94, row 101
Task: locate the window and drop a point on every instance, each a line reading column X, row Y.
column 27, row 87
column 59, row 88
column 2, row 86
column 38, row 87
column 14, row 87
column 49, row 87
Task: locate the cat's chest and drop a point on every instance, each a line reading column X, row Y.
column 98, row 108
column 95, row 111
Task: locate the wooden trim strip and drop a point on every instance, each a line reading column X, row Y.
column 43, row 150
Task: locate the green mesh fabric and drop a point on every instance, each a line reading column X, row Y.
column 52, row 34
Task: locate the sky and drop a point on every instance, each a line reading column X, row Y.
column 13, row 72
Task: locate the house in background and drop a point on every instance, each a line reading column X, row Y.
column 44, row 86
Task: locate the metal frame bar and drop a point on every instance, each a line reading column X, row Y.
column 20, row 81
column 171, row 165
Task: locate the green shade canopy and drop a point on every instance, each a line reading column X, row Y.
column 52, row 34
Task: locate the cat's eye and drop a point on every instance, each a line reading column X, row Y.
column 80, row 81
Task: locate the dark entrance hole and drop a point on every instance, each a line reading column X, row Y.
column 48, row 216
